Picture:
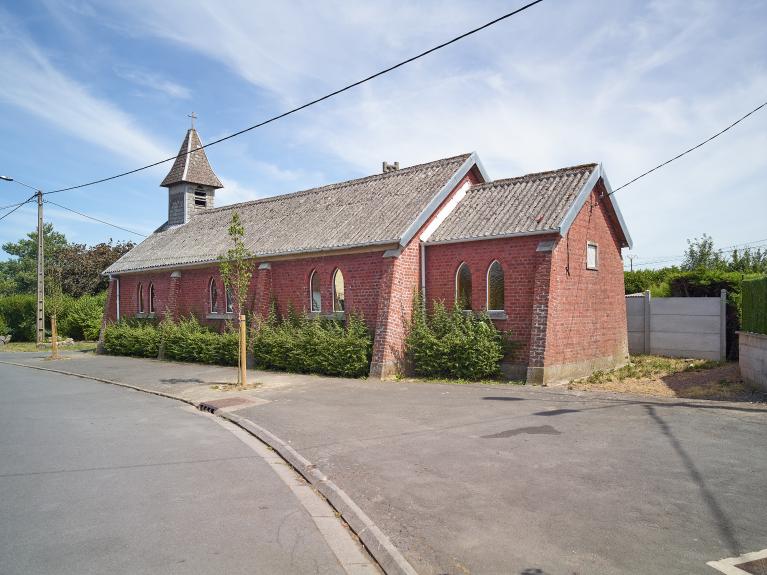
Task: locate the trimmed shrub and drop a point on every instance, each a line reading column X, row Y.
column 454, row 344
column 302, row 344
column 185, row 340
column 754, row 305
column 4, row 329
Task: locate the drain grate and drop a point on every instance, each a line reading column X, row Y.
column 214, row 404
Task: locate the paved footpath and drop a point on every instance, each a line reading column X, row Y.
column 511, row 479
column 100, row 479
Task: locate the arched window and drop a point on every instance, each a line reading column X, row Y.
column 140, row 298
column 315, row 297
column 495, row 296
column 339, row 301
column 463, row 286
column 213, row 290
column 229, row 300
column 151, row 298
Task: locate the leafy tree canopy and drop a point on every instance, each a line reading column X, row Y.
column 77, row 267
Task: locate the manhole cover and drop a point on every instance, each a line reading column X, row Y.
column 215, row 404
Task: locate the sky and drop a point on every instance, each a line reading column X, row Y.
column 92, row 88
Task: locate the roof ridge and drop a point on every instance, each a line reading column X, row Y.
column 536, row 175
column 383, row 175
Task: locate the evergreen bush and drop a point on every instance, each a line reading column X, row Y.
column 19, row 312
column 754, row 302
column 454, row 344
column 132, row 337
column 302, row 344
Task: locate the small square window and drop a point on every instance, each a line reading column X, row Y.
column 592, row 256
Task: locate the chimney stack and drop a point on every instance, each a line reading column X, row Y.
column 387, row 167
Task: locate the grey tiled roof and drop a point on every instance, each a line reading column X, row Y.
column 530, row 203
column 192, row 167
column 378, row 209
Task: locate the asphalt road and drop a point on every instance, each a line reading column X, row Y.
column 100, row 479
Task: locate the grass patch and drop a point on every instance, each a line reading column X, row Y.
column 32, row 346
column 673, row 377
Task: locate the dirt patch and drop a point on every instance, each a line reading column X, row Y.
column 674, row 377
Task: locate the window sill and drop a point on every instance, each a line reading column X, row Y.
column 497, row 314
column 338, row 315
column 592, row 269
column 145, row 315
column 221, row 316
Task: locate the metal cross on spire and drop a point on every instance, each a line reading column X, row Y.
column 193, row 116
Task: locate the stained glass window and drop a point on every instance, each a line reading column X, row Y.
column 316, row 297
column 495, row 294
column 463, row 286
column 338, row 291
column 213, row 296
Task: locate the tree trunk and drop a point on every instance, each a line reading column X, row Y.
column 243, row 356
column 54, row 338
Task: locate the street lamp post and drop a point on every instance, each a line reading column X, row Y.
column 40, row 337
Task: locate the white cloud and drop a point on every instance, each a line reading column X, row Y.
column 32, row 83
column 153, row 81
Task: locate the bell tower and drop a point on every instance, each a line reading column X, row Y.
column 191, row 182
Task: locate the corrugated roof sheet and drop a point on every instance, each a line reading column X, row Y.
column 377, row 209
column 530, row 203
column 192, row 164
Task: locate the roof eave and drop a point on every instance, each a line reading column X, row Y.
column 493, row 237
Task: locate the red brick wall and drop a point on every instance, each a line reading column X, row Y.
column 519, row 260
column 362, row 277
column 587, row 308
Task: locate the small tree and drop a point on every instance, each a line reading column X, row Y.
column 701, row 253
column 54, row 300
column 236, row 268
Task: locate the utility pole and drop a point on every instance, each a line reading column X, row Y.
column 40, row 271
column 631, row 261
column 40, row 334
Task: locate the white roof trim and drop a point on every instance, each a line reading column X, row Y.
column 186, row 158
column 446, row 210
column 580, row 199
column 436, row 201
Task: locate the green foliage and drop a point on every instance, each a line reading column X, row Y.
column 454, row 344
column 78, row 318
column 701, row 254
column 236, row 265
column 4, row 329
column 19, row 313
column 81, row 317
column 81, row 265
column 654, row 280
column 755, row 305
column 302, row 344
column 185, row 340
column 131, row 337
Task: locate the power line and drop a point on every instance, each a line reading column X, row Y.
column 751, row 244
column 13, row 205
column 17, row 206
column 703, row 143
column 310, row 103
column 95, row 219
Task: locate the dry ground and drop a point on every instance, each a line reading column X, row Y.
column 673, row 377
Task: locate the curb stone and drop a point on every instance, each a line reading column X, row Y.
column 380, row 547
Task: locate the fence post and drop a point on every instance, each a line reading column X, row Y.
column 723, row 325
column 646, row 310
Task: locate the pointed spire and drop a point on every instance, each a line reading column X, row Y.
column 191, row 165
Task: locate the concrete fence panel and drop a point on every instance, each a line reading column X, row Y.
column 677, row 326
column 753, row 358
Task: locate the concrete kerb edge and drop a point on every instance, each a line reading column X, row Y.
column 375, row 541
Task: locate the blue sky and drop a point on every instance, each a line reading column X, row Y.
column 94, row 88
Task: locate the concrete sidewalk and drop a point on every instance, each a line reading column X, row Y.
column 510, row 479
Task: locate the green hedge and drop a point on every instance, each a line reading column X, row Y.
column 454, row 344
column 754, row 302
column 80, row 318
column 185, row 340
column 312, row 345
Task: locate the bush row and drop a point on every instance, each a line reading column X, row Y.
column 79, row 319
column 453, row 343
column 755, row 305
column 185, row 340
column 303, row 344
